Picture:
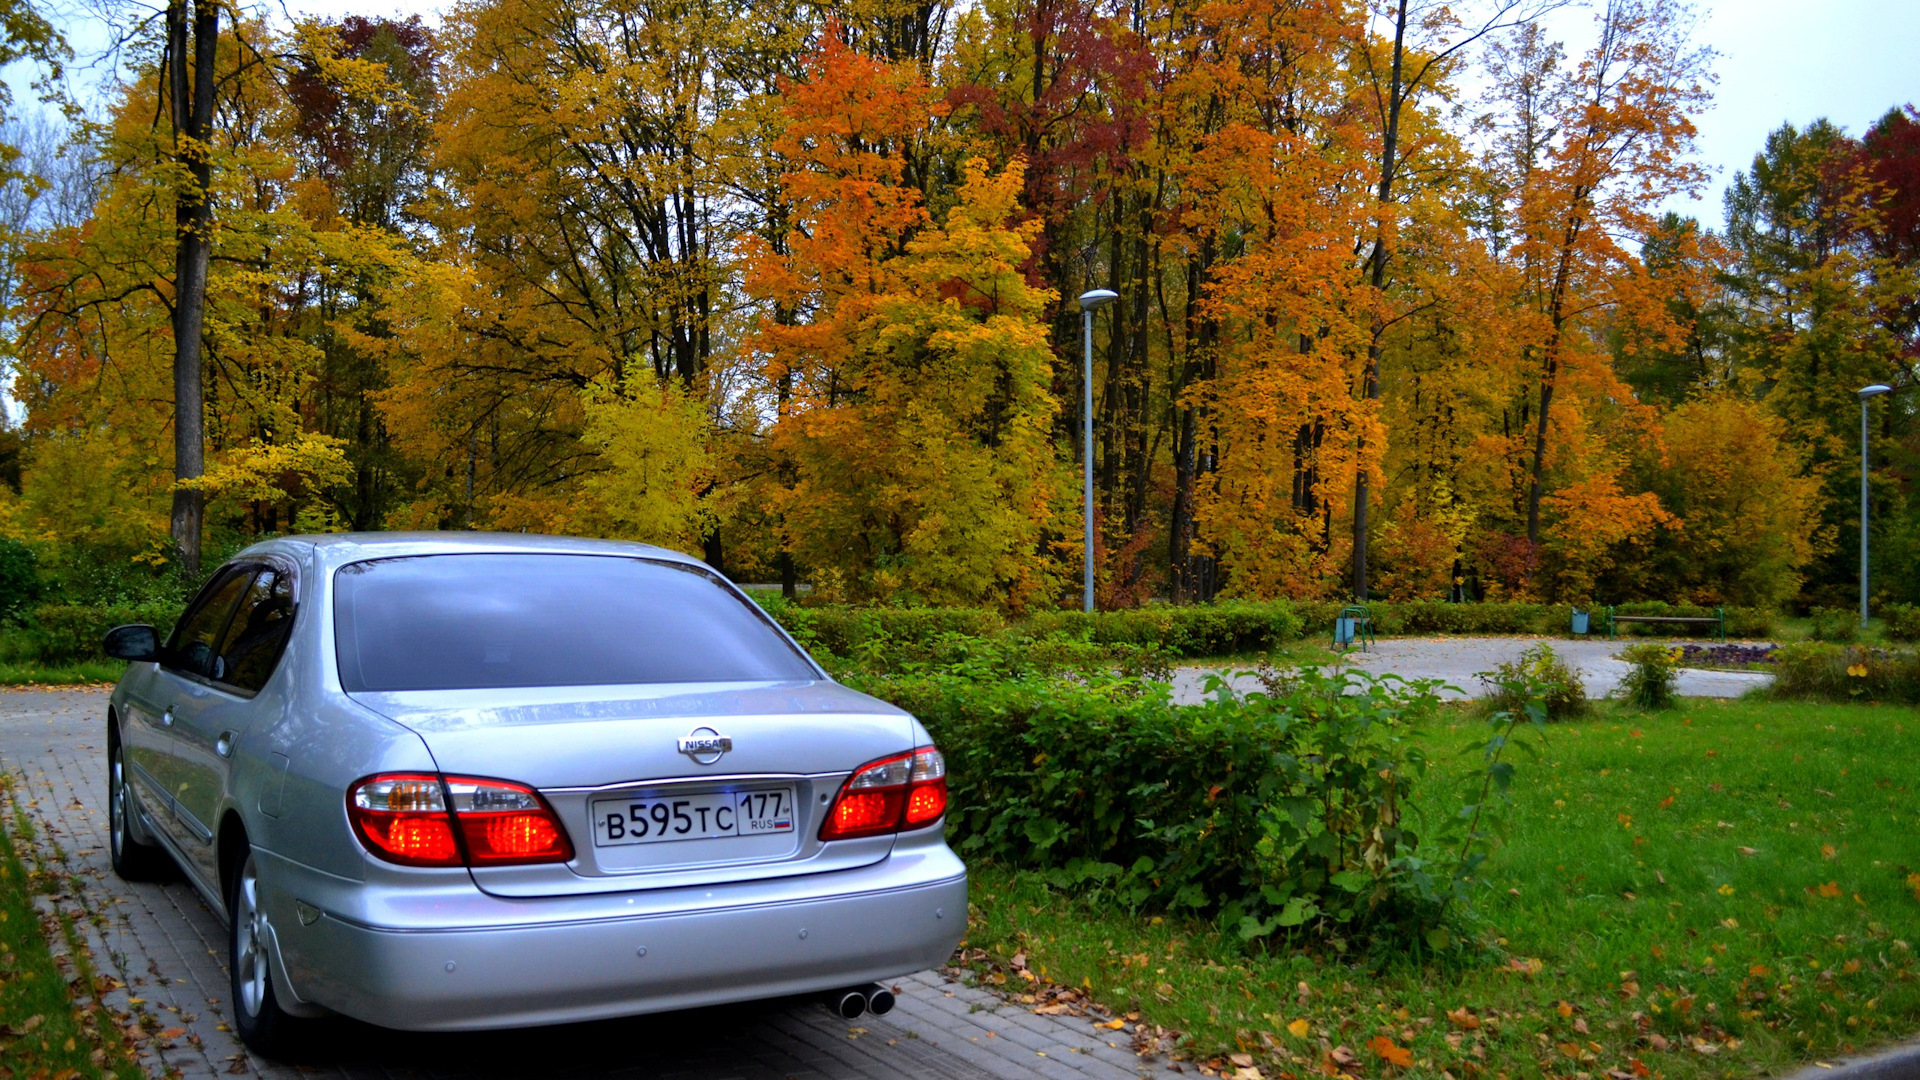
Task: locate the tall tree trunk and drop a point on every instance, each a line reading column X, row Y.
column 1550, row 366
column 1377, row 277
column 191, row 97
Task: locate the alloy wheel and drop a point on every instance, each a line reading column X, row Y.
column 117, row 805
column 250, row 951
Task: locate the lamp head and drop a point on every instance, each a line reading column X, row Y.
column 1874, row 391
column 1098, row 298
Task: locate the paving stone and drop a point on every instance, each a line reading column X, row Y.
column 167, row 949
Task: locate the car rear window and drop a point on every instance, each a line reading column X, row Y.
column 446, row 622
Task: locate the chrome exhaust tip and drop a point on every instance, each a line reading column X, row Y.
column 850, row 1003
column 879, row 1000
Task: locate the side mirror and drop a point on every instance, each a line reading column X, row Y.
column 137, row 641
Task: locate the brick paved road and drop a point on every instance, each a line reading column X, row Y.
column 169, row 950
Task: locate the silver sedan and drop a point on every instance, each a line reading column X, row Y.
column 453, row 781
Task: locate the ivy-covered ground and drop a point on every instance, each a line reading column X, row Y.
column 1718, row 890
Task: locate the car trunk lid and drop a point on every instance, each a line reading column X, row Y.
column 764, row 759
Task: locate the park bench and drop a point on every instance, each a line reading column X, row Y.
column 1717, row 620
column 1354, row 623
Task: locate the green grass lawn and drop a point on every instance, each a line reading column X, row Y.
column 1727, row 889
column 42, row 1032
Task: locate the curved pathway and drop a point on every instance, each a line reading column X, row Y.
column 1458, row 660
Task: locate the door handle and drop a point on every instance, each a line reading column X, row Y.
column 224, row 744
column 166, row 718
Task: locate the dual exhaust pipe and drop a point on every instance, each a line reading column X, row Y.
column 850, row 1003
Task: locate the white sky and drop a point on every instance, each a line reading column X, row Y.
column 1790, row 61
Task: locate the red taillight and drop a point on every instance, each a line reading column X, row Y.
column 905, row 791
column 506, row 823
column 407, row 818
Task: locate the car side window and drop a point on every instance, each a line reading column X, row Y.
column 258, row 631
column 195, row 645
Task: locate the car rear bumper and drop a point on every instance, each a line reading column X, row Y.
column 898, row 916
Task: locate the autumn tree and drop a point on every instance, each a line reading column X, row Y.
column 1584, row 156
column 919, row 368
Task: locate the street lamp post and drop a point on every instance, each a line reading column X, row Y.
column 1867, row 393
column 1089, row 303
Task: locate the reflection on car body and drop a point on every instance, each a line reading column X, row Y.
column 455, row 781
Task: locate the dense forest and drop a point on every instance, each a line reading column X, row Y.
column 794, row 286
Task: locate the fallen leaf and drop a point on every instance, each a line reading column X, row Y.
column 1749, row 852
column 1384, row 1048
column 1343, row 1057
column 1113, row 1025
column 1299, row 1028
column 1461, row 1018
column 1658, row 1041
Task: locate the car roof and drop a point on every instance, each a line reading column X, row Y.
column 337, row 549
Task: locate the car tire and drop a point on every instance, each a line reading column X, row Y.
column 133, row 860
column 257, row 1016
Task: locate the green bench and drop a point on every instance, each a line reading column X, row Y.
column 1717, row 620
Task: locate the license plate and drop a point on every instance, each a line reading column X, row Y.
column 708, row 815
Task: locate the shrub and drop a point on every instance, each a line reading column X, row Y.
column 1268, row 812
column 1835, row 624
column 1224, row 629
column 19, row 579
column 1538, row 673
column 65, row 633
column 1746, row 622
column 1007, row 655
column 1902, row 621
column 850, row 631
column 1442, row 617
column 1824, row 671
column 1651, row 681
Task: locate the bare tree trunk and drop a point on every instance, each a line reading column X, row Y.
column 191, row 97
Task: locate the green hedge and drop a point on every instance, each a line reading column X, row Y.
column 845, row 631
column 1824, row 671
column 1190, row 631
column 1243, row 628
column 1266, row 811
column 1195, row 630
column 65, row 633
column 1551, row 620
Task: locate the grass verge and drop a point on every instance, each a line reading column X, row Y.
column 1724, row 889
column 42, row 1031
column 84, row 673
